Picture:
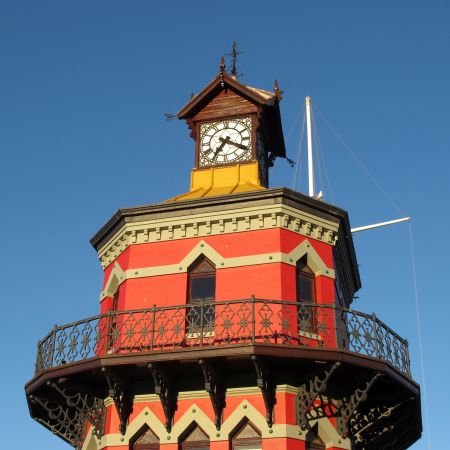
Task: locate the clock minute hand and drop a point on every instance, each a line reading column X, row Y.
column 228, row 141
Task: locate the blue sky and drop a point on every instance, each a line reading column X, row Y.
column 83, row 89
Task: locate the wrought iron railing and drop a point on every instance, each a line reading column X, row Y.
column 225, row 323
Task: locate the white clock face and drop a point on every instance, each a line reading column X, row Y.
column 225, row 141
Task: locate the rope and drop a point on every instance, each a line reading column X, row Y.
column 321, row 155
column 419, row 334
column 299, row 152
column 293, row 126
column 315, row 136
column 363, row 167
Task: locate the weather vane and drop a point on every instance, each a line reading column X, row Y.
column 233, row 69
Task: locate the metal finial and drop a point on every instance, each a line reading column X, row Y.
column 234, row 57
column 277, row 90
column 222, row 71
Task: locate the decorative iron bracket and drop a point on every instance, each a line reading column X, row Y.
column 264, row 382
column 379, row 425
column 62, row 421
column 309, row 392
column 69, row 418
column 87, row 405
column 347, row 408
column 123, row 399
column 216, row 390
column 164, row 388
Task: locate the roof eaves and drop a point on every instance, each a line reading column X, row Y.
column 220, row 82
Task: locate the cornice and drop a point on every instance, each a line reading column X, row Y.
column 218, row 203
column 216, row 222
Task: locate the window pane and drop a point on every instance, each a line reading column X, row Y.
column 305, row 288
column 203, row 288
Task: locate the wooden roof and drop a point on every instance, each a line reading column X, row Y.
column 225, row 81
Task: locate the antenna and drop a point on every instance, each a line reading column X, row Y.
column 310, row 154
column 233, row 69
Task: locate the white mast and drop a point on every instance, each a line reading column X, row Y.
column 382, row 224
column 310, row 155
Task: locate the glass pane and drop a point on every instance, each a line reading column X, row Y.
column 305, row 288
column 203, row 288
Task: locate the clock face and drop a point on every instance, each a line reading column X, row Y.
column 226, row 141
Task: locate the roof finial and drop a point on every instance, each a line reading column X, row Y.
column 222, row 71
column 234, row 57
column 277, row 90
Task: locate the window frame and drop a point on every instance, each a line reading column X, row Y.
column 304, row 272
column 193, row 445
column 138, row 435
column 206, row 323
column 249, row 443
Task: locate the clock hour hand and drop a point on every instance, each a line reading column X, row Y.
column 221, row 146
column 227, row 140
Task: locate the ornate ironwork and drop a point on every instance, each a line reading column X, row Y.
column 264, row 382
column 311, row 392
column 348, row 407
column 123, row 398
column 215, row 388
column 165, row 389
column 379, row 425
column 231, row 322
column 69, row 416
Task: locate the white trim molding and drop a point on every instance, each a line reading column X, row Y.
column 315, row 262
column 245, row 410
column 216, row 223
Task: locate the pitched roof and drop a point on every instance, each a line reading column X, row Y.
column 221, row 81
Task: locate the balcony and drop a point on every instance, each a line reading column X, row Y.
column 225, row 326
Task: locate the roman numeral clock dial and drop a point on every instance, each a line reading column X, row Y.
column 225, row 142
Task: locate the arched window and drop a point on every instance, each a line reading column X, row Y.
column 313, row 441
column 306, row 293
column 201, row 295
column 144, row 439
column 114, row 328
column 194, row 439
column 246, row 438
column 115, row 300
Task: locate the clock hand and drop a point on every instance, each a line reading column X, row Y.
column 229, row 141
column 221, row 146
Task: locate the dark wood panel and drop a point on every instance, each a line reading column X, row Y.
column 227, row 103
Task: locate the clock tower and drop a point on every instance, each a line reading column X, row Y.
column 238, row 134
column 225, row 317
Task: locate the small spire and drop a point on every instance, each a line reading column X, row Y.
column 222, row 71
column 234, row 57
column 277, row 90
